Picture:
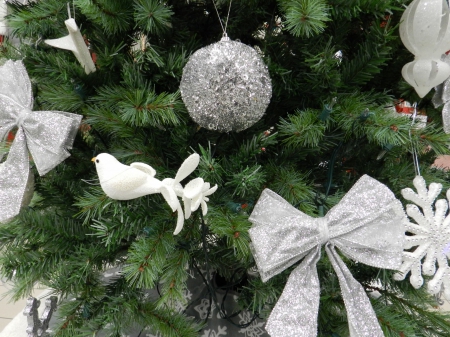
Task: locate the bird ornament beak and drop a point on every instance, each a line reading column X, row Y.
column 93, row 159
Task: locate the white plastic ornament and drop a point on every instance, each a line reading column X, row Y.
column 3, row 13
column 126, row 182
column 428, row 242
column 75, row 43
column 226, row 86
column 196, row 194
column 425, row 32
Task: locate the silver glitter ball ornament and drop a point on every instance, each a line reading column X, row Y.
column 226, row 86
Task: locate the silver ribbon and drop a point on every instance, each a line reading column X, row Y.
column 45, row 134
column 366, row 225
column 442, row 96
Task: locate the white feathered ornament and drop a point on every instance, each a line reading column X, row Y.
column 126, row 182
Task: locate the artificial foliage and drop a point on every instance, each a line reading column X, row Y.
column 335, row 68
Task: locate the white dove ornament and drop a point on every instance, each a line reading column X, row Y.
column 123, row 182
column 126, row 182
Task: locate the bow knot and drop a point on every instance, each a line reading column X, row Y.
column 366, row 225
column 21, row 115
column 45, row 134
column 324, row 233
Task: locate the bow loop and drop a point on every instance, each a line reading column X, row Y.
column 281, row 234
column 15, row 84
column 45, row 134
column 366, row 225
column 48, row 135
column 363, row 224
column 379, row 241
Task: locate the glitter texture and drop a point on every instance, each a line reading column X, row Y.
column 442, row 96
column 45, row 134
column 366, row 225
column 226, row 86
column 428, row 239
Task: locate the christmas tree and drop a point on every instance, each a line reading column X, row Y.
column 335, row 69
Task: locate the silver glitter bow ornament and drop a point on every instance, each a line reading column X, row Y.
column 442, row 96
column 45, row 134
column 366, row 225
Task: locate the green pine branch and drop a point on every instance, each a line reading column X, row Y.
column 152, row 16
column 305, row 18
column 113, row 16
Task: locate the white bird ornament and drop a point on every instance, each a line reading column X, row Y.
column 123, row 182
column 126, row 182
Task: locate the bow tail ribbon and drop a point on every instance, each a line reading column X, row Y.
column 300, row 295
column 14, row 177
column 361, row 317
column 446, row 117
column 442, row 96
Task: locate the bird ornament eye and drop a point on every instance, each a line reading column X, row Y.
column 97, row 161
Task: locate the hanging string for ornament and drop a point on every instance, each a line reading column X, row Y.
column 220, row 21
column 226, row 86
column 414, row 149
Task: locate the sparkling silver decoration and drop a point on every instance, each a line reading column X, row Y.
column 366, row 226
column 442, row 97
column 427, row 245
column 45, row 134
column 29, row 188
column 37, row 327
column 226, row 86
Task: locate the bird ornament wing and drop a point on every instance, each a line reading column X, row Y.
column 147, row 169
column 65, row 42
column 188, row 166
column 127, row 180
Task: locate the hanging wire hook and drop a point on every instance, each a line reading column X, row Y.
column 414, row 150
column 68, row 10
column 220, row 21
column 228, row 16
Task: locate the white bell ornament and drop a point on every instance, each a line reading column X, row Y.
column 425, row 32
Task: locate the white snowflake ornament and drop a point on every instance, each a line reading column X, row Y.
column 428, row 239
